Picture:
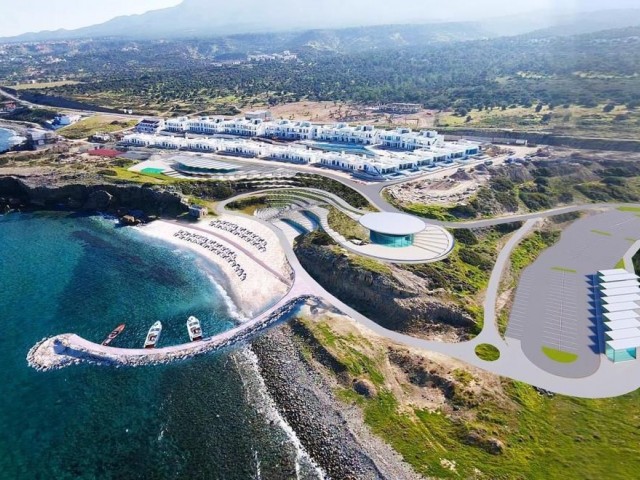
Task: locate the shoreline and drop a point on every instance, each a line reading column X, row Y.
column 333, row 434
column 15, row 138
column 259, row 291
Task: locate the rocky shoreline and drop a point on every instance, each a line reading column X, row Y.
column 331, row 432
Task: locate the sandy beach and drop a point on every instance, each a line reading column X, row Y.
column 268, row 275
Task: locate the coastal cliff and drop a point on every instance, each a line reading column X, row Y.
column 396, row 299
column 80, row 193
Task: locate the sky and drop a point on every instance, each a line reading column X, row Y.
column 37, row 15
column 21, row 16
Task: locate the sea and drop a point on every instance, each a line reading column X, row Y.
column 205, row 418
column 8, row 139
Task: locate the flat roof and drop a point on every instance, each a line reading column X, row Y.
column 623, row 324
column 618, row 277
column 624, row 344
column 614, row 316
column 624, row 333
column 614, row 271
column 393, row 223
column 203, row 163
column 619, row 307
column 621, row 298
column 614, row 292
column 627, row 283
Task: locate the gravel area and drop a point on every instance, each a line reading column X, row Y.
column 330, row 431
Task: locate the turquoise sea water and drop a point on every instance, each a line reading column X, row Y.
column 5, row 135
column 206, row 418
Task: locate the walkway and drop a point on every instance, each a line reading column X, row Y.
column 609, row 380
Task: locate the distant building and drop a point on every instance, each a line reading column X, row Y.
column 150, row 126
column 177, row 125
column 616, row 300
column 63, row 120
column 259, row 114
column 38, row 138
column 401, row 108
column 198, row 212
column 8, row 106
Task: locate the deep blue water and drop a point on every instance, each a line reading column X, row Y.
column 200, row 419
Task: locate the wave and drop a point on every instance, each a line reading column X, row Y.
column 257, row 394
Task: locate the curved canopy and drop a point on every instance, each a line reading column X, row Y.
column 393, row 223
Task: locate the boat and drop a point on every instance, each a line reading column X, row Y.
column 193, row 327
column 153, row 335
column 112, row 336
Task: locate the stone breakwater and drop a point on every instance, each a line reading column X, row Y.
column 69, row 349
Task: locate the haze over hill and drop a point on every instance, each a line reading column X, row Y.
column 203, row 18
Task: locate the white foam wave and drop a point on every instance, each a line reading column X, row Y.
column 256, row 394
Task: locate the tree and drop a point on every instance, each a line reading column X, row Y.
column 608, row 107
column 539, row 108
column 468, row 119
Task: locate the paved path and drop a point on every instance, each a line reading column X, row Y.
column 490, row 333
column 628, row 257
column 609, row 380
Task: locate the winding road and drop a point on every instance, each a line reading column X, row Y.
column 609, row 380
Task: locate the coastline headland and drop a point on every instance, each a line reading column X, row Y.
column 69, row 349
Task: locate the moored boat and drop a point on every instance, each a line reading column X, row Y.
column 194, row 329
column 153, row 335
column 112, row 336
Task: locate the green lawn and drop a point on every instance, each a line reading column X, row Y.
column 559, row 356
column 564, row 270
column 140, row 177
column 629, row 209
column 487, row 352
column 96, row 124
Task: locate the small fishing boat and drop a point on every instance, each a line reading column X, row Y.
column 112, row 336
column 193, row 327
column 153, row 335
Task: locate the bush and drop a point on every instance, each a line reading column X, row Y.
column 465, row 236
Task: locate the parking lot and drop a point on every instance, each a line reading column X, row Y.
column 552, row 305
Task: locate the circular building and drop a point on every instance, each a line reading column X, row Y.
column 395, row 230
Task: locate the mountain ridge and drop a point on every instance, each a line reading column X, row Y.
column 201, row 19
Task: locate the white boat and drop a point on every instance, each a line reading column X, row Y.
column 193, row 327
column 153, row 335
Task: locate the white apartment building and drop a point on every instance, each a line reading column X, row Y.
column 288, row 130
column 406, row 139
column 177, row 125
column 205, row 125
column 149, row 126
column 345, row 133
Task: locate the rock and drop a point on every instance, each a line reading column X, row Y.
column 99, row 200
column 365, row 388
column 495, row 446
column 130, row 220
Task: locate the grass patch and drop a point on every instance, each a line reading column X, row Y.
column 559, row 356
column 629, row 209
column 346, row 226
column 543, row 437
column 602, row 232
column 97, row 124
column 564, row 270
column 139, row 177
column 365, row 263
column 487, row 352
column 620, row 264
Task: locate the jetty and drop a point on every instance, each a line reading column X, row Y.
column 69, row 349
